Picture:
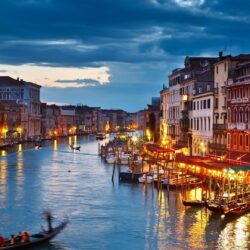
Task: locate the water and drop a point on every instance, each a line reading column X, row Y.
column 103, row 215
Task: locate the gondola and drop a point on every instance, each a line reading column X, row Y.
column 38, row 239
column 238, row 209
column 75, row 147
column 193, row 203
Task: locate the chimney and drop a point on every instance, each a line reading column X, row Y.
column 17, row 79
column 220, row 54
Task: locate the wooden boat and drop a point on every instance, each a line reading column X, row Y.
column 129, row 176
column 38, row 239
column 237, row 209
column 193, row 203
column 75, row 147
column 101, row 136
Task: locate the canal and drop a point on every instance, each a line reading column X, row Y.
column 103, row 215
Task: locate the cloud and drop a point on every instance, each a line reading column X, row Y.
column 48, row 76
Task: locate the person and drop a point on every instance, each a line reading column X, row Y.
column 12, row 240
column 2, row 241
column 18, row 237
column 49, row 219
column 25, row 236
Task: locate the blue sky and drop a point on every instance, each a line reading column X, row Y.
column 114, row 53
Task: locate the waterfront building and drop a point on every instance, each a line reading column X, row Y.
column 86, row 119
column 13, row 122
column 201, row 116
column 222, row 69
column 238, row 108
column 23, row 93
column 164, row 127
column 181, row 84
column 49, row 122
column 65, row 121
column 151, row 127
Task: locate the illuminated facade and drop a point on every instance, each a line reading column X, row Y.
column 238, row 108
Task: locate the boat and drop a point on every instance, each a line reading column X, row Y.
column 111, row 158
column 75, row 147
column 193, row 203
column 238, row 208
column 146, row 178
column 101, row 136
column 38, row 238
column 129, row 176
column 38, row 146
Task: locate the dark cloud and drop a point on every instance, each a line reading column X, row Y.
column 130, row 32
column 87, row 81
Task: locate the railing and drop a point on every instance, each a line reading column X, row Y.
column 245, row 99
column 220, row 127
column 239, row 100
column 238, row 125
column 218, row 146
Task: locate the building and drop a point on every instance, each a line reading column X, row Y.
column 222, row 70
column 66, row 121
column 238, row 108
column 164, row 127
column 201, row 116
column 23, row 93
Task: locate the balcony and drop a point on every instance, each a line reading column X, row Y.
column 216, row 90
column 245, row 99
column 238, row 126
column 239, row 100
column 219, row 127
column 233, row 101
column 216, row 146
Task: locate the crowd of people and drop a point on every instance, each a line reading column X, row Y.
column 21, row 237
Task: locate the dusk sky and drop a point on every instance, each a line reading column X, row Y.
column 114, row 53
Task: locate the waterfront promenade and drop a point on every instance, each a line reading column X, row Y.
column 102, row 214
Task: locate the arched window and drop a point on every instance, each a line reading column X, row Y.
column 247, row 115
column 229, row 115
column 235, row 115
column 241, row 115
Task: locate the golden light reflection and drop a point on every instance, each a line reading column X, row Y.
column 20, row 147
column 55, row 145
column 19, row 175
column 3, row 179
column 75, row 139
column 3, row 153
column 70, row 140
column 236, row 234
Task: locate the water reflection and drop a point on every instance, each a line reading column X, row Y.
column 119, row 215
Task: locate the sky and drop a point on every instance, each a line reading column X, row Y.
column 114, row 53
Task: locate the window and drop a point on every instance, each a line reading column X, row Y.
column 204, row 104
column 228, row 139
column 235, row 115
column 194, row 105
column 208, row 103
column 216, row 103
column 247, row 115
column 235, row 140
column 229, row 114
column 241, row 140
column 246, row 141
column 205, row 123
column 241, row 115
column 197, row 105
column 198, row 124
column 209, row 124
column 201, row 104
column 225, row 67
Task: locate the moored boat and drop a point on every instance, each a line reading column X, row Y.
column 38, row 238
column 193, row 203
column 101, row 136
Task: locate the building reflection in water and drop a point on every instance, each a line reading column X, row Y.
column 236, row 234
column 3, row 178
column 19, row 174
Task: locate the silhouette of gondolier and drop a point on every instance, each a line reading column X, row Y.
column 49, row 219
